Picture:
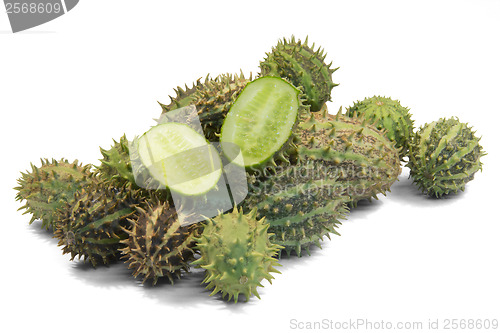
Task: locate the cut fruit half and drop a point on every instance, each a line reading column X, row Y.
column 180, row 158
column 261, row 120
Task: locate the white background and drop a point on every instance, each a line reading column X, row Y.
column 73, row 84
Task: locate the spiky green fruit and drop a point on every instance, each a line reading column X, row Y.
column 304, row 67
column 387, row 114
column 212, row 100
column 237, row 254
column 48, row 189
column 364, row 161
column 93, row 225
column 157, row 245
column 299, row 203
column 444, row 156
column 261, row 122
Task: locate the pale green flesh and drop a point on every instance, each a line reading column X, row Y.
column 261, row 119
column 180, row 158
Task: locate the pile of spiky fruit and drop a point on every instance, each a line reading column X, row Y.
column 305, row 169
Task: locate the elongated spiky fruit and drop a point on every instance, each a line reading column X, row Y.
column 363, row 159
column 387, row 114
column 304, row 67
column 93, row 225
column 49, row 188
column 157, row 245
column 212, row 100
column 236, row 254
column 444, row 156
column 300, row 204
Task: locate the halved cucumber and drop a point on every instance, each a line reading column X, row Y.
column 261, row 120
column 180, row 158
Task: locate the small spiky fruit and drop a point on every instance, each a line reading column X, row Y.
column 49, row 188
column 365, row 162
column 298, row 202
column 237, row 254
column 387, row 114
column 93, row 225
column 212, row 100
column 304, row 67
column 444, row 156
column 157, row 245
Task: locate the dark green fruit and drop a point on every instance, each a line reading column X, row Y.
column 236, row 254
column 387, row 114
column 93, row 225
column 48, row 189
column 157, row 245
column 304, row 67
column 444, row 156
column 300, row 205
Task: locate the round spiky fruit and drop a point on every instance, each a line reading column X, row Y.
column 361, row 157
column 444, row 156
column 387, row 114
column 157, row 244
column 93, row 225
column 304, row 67
column 299, row 204
column 48, row 189
column 237, row 254
column 212, row 100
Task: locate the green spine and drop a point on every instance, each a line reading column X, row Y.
column 387, row 114
column 363, row 159
column 304, row 67
column 115, row 167
column 444, row 156
column 237, row 254
column 212, row 100
column 298, row 202
column 49, row 188
column 93, row 225
column 157, row 245
column 184, row 96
